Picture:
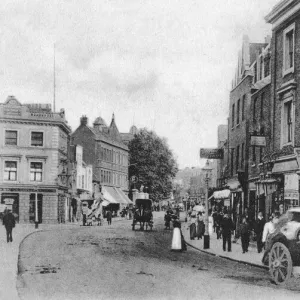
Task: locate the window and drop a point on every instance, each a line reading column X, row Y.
column 288, row 49
column 36, row 171
column 288, row 120
column 254, row 109
column 262, row 106
column 254, row 155
column 232, row 115
column 267, row 65
column 11, row 137
column 238, row 113
column 37, row 139
column 243, row 107
column 261, row 67
column 237, row 158
column 10, row 171
column 242, row 155
column 255, row 73
column 232, row 160
column 261, row 154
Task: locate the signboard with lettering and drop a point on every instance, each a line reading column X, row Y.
column 9, row 201
column 258, row 140
column 212, row 153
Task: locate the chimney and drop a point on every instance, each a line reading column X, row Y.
column 83, row 120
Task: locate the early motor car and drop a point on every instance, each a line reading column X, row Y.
column 282, row 252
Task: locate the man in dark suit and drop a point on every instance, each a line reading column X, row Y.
column 9, row 222
column 259, row 228
column 227, row 227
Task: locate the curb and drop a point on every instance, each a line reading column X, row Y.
column 229, row 258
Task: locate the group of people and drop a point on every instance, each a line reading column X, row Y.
column 224, row 228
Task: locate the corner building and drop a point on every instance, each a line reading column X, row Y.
column 285, row 80
column 33, row 153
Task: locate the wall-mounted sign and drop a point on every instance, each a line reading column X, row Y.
column 212, row 153
column 9, row 201
column 258, row 140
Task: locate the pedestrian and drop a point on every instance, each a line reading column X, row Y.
column 167, row 219
column 210, row 223
column 269, row 227
column 200, row 227
column 227, row 227
column 219, row 218
column 108, row 217
column 259, row 229
column 193, row 228
column 176, row 226
column 9, row 222
column 245, row 234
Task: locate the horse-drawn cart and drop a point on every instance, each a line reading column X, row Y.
column 143, row 214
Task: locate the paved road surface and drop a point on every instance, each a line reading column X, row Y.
column 113, row 262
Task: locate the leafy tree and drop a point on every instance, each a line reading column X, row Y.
column 153, row 163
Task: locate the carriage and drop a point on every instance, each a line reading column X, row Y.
column 143, row 214
column 282, row 253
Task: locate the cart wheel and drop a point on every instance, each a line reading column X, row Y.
column 280, row 263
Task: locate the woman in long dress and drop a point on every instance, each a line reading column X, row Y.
column 200, row 226
column 210, row 224
column 193, row 228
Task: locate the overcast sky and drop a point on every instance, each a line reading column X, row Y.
column 164, row 65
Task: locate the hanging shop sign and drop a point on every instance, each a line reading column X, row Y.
column 258, row 140
column 212, row 153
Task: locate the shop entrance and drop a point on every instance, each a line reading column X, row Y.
column 32, row 208
column 11, row 201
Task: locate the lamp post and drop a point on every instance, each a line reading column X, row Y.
column 207, row 170
column 36, row 219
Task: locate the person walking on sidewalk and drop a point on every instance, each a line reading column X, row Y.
column 108, row 217
column 227, row 227
column 9, row 222
column 200, row 226
column 259, row 228
column 193, row 228
column 245, row 234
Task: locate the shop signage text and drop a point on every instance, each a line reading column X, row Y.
column 258, row 140
column 211, row 153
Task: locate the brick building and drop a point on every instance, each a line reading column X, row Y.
column 33, row 152
column 222, row 164
column 238, row 126
column 104, row 149
column 285, row 68
column 260, row 184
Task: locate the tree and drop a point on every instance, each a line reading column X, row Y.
column 153, row 163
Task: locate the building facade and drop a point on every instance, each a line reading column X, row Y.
column 238, row 126
column 104, row 149
column 285, row 68
column 33, row 152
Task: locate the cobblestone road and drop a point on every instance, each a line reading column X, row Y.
column 113, row 262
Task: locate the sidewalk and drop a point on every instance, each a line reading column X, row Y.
column 9, row 255
column 252, row 257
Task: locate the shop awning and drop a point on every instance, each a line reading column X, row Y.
column 108, row 195
column 224, row 194
column 233, row 185
column 123, row 195
column 285, row 166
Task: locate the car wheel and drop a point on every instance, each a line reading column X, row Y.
column 280, row 263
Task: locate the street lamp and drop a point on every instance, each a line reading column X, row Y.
column 207, row 171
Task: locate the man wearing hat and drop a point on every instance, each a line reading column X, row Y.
column 9, row 222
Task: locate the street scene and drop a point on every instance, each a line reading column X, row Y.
column 149, row 150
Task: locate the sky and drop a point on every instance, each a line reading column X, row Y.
column 161, row 64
